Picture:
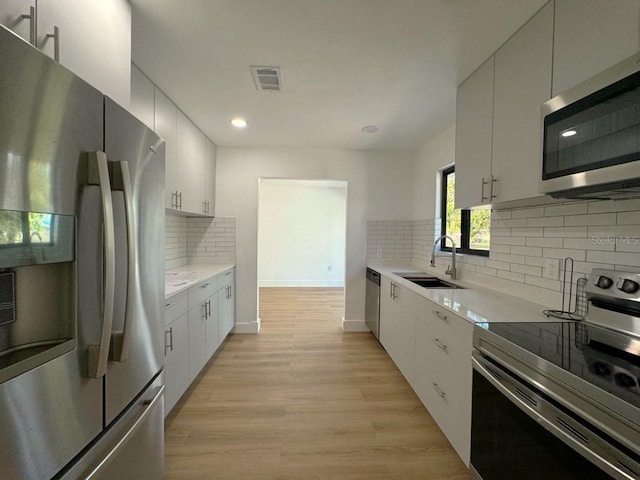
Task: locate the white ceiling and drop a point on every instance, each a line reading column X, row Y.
column 345, row 64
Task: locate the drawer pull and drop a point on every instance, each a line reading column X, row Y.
column 437, row 342
column 205, row 285
column 440, row 392
column 169, row 305
column 439, row 315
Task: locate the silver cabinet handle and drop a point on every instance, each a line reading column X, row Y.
column 205, row 285
column 204, row 207
column 170, row 344
column 437, row 389
column 437, row 342
column 56, row 42
column 482, row 197
column 99, row 175
column 174, row 200
column 33, row 25
column 493, row 182
column 439, row 315
column 122, row 340
column 230, row 295
column 169, row 305
column 180, row 200
column 208, row 308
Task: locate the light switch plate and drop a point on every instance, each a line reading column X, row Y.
column 551, row 268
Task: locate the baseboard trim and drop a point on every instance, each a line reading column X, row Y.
column 252, row 327
column 354, row 326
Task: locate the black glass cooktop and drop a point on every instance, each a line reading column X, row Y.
column 605, row 358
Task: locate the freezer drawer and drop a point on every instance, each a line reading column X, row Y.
column 133, row 447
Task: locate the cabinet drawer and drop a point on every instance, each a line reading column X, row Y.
column 174, row 307
column 225, row 278
column 202, row 290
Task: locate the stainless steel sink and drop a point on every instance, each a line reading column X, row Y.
column 427, row 281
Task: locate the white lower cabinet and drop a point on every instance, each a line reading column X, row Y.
column 397, row 325
column 432, row 348
column 443, row 373
column 176, row 362
column 226, row 304
column 196, row 325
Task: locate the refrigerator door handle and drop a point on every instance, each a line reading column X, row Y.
column 122, row 340
column 99, row 175
column 122, row 443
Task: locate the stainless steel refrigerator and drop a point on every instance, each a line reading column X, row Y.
column 81, row 278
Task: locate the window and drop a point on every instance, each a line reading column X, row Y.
column 470, row 229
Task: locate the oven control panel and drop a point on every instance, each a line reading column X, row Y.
column 614, row 285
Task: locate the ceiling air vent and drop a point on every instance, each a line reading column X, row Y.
column 267, row 78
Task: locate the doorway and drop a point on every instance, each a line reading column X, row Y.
column 301, row 247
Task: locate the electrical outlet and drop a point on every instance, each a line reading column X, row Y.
column 379, row 252
column 551, row 268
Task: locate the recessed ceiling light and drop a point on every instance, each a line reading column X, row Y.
column 569, row 133
column 238, row 122
column 369, row 129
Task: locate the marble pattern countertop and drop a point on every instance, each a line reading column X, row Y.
column 180, row 279
column 473, row 303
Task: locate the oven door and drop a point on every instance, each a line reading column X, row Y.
column 519, row 432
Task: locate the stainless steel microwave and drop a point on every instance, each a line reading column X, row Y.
column 591, row 137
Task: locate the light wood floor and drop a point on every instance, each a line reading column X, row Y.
column 302, row 400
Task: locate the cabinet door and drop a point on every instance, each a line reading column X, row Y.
column 176, row 366
column 474, row 130
column 11, row 16
column 212, row 325
column 210, row 178
column 95, row 42
column 190, row 165
column 398, row 328
column 197, row 340
column 223, row 308
column 165, row 122
column 142, row 97
column 522, row 83
column 590, row 36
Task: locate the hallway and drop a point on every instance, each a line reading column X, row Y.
column 302, row 400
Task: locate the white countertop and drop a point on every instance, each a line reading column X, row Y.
column 473, row 303
column 180, row 279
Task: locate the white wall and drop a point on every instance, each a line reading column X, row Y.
column 431, row 158
column 301, row 233
column 380, row 187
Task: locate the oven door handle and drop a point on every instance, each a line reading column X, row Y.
column 570, row 439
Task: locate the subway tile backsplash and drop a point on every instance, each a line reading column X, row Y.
column 194, row 239
column 390, row 239
column 596, row 234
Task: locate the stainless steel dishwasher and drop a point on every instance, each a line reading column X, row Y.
column 372, row 302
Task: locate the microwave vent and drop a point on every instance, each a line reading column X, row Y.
column 626, row 190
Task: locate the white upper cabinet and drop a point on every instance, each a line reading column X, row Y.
column 142, row 98
column 190, row 167
column 474, row 126
column 94, row 38
column 210, row 178
column 590, row 36
column 522, row 83
column 166, row 124
column 14, row 15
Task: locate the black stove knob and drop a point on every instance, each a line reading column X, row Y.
column 625, row 380
column 629, row 286
column 604, row 282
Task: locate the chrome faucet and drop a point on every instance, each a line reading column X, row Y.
column 452, row 268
